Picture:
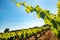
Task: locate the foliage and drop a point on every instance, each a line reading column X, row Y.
column 23, row 34
column 18, row 4
column 51, row 19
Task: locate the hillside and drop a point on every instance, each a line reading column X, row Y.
column 36, row 33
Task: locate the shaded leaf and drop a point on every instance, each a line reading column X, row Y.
column 42, row 14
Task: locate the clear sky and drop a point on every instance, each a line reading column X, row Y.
column 16, row 18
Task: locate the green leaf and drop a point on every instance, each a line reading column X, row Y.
column 54, row 23
column 59, row 34
column 58, row 19
column 18, row 4
column 24, row 3
column 55, row 31
column 42, row 14
column 38, row 14
column 27, row 10
column 37, row 8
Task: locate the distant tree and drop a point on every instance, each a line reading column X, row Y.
column 6, row 30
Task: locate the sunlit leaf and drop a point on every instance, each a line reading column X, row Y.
column 47, row 21
column 58, row 5
column 18, row 4
column 27, row 9
column 58, row 19
column 24, row 3
column 55, row 31
column 37, row 8
column 38, row 15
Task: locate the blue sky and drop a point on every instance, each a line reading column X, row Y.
column 16, row 18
